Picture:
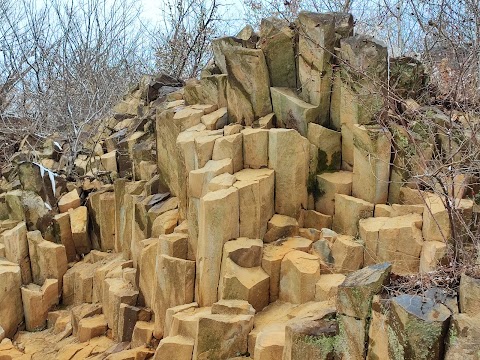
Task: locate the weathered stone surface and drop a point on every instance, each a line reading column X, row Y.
column 436, row 223
column 171, row 312
column 215, row 120
column 400, row 210
column 233, row 307
column 244, row 252
column 213, row 332
column 48, row 260
column 329, row 184
column 327, row 287
column 383, row 210
column 165, row 223
column 106, row 220
column 175, row 347
column 36, row 178
column 240, row 283
column 70, row 200
column 347, row 254
column 16, row 249
column 311, row 234
column 299, row 274
column 256, row 201
column 315, row 47
column 417, row 327
column 124, row 209
column 288, row 155
column 174, row 245
column 267, row 121
column 433, row 252
column 230, row 147
column 11, row 308
column 323, row 249
column 352, row 336
column 469, row 295
column 63, row 235
column 128, row 317
column 83, row 311
column 185, row 322
column 210, row 89
column 280, row 226
column 218, row 48
column 291, row 111
column 174, row 285
column 142, row 334
column 218, row 223
column 381, row 242
column 361, row 98
column 255, row 148
column 462, row 338
column 91, row 327
column 204, row 148
column 79, row 227
column 269, row 345
column 115, row 292
column 329, row 145
column 355, row 294
column 277, row 43
column 199, row 179
column 146, row 268
column 371, row 167
column 248, row 91
column 78, row 284
column 222, row 181
column 29, row 207
column 37, row 301
column 377, row 332
column 348, row 211
column 311, row 338
column 314, row 220
column 171, row 161
column 109, row 161
column 273, row 255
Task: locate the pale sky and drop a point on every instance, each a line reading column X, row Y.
column 152, row 12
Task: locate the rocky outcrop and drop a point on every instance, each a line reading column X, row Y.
column 254, row 213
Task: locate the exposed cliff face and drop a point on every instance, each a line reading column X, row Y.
column 257, row 212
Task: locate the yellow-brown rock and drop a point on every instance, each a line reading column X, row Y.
column 48, row 260
column 300, row 272
column 213, row 332
column 255, row 148
column 37, row 301
column 16, row 249
column 280, row 226
column 347, row 254
column 11, row 308
column 288, row 154
column 326, row 288
column 91, row 327
column 230, row 147
column 256, row 201
column 218, row 223
column 68, row 201
column 175, row 347
column 79, row 226
column 348, row 211
column 174, row 285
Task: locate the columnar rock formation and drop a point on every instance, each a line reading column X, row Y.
column 252, row 213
